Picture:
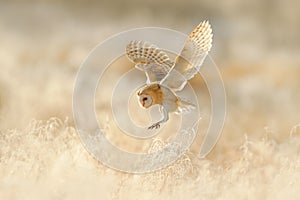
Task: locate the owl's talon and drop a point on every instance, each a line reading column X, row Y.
column 156, row 126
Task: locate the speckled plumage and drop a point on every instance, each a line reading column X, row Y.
column 165, row 77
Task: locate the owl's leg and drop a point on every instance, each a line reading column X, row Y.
column 165, row 118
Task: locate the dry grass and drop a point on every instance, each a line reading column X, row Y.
column 46, row 160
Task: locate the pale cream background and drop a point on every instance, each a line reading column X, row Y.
column 256, row 46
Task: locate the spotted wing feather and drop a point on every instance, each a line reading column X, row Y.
column 149, row 58
column 188, row 63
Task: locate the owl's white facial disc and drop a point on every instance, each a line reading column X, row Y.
column 145, row 100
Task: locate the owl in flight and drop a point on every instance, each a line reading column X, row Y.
column 166, row 77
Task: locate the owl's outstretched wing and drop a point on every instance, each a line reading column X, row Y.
column 149, row 58
column 188, row 63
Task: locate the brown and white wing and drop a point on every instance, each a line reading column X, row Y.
column 149, row 58
column 188, row 63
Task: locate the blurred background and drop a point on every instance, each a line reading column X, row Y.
column 43, row 43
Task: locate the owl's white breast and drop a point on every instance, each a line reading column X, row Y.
column 169, row 99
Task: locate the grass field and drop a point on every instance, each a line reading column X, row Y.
column 41, row 48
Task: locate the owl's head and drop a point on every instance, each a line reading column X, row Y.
column 150, row 95
column 145, row 100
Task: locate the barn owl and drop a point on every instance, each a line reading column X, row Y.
column 166, row 77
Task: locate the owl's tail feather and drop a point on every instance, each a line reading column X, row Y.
column 184, row 106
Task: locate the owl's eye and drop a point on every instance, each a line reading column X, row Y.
column 145, row 99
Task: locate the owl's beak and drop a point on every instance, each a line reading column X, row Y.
column 143, row 104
